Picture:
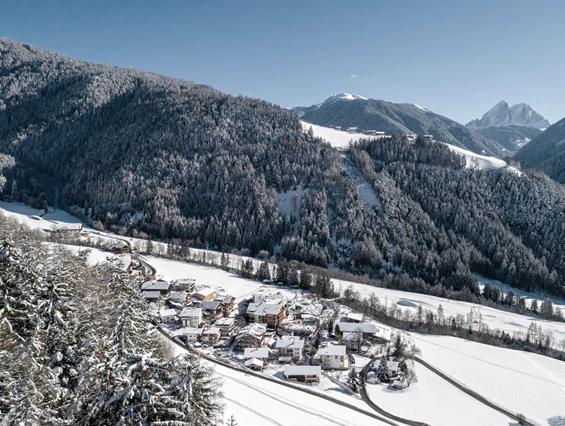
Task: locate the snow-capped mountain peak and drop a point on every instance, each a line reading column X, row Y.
column 343, row 96
column 502, row 115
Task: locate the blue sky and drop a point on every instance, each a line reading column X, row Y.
column 457, row 58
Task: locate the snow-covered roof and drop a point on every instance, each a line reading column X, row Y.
column 355, row 316
column 256, row 353
column 167, row 313
column 191, row 312
column 155, row 285
column 224, row 298
column 268, row 309
column 188, row 331
column 210, row 304
column 254, row 329
column 289, row 344
column 253, row 362
column 204, row 292
column 211, row 330
column 302, row 370
column 151, row 294
column 346, row 327
column 392, row 365
column 178, row 295
column 224, row 322
column 332, row 350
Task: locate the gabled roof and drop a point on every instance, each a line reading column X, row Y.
column 225, row 322
column 355, row 316
column 151, row 294
column 256, row 353
column 253, row 362
column 224, row 298
column 178, row 295
column 155, row 285
column 302, row 370
column 190, row 312
column 204, row 292
column 357, row 327
column 289, row 344
column 167, row 313
column 187, row 331
column 268, row 309
column 210, row 304
column 332, row 350
column 212, row 330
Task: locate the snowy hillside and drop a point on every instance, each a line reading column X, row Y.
column 525, row 383
column 476, row 161
column 336, row 138
column 341, row 139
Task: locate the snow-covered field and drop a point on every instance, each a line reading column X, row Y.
column 434, row 401
column 336, row 138
column 29, row 216
column 253, row 401
column 525, row 383
column 476, row 161
column 494, row 318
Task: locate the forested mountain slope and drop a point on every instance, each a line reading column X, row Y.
column 388, row 117
column 148, row 155
column 546, row 152
column 76, row 347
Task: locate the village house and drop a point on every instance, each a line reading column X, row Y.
column 204, row 294
column 119, row 247
column 354, row 317
column 303, row 373
column 168, row 316
column 191, row 317
column 212, row 309
column 185, row 285
column 227, row 301
column 252, row 336
column 290, row 348
column 254, row 364
column 211, row 335
column 226, row 326
column 352, row 129
column 333, row 357
column 267, row 296
column 191, row 334
column 161, row 286
column 180, row 298
column 262, row 354
column 151, row 296
column 392, row 367
column 338, row 128
column 269, row 313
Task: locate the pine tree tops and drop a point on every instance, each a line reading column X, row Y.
column 354, row 381
column 382, row 370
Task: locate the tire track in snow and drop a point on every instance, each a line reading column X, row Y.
column 246, row 407
column 295, row 405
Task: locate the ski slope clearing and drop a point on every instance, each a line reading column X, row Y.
column 336, row 138
column 525, row 383
column 494, row 318
column 481, row 162
column 434, row 401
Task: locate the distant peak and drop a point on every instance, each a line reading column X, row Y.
column 503, row 115
column 343, row 96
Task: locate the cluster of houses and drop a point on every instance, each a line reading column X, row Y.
column 268, row 329
column 195, row 315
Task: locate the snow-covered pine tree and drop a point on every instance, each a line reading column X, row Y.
column 354, row 380
column 382, row 370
